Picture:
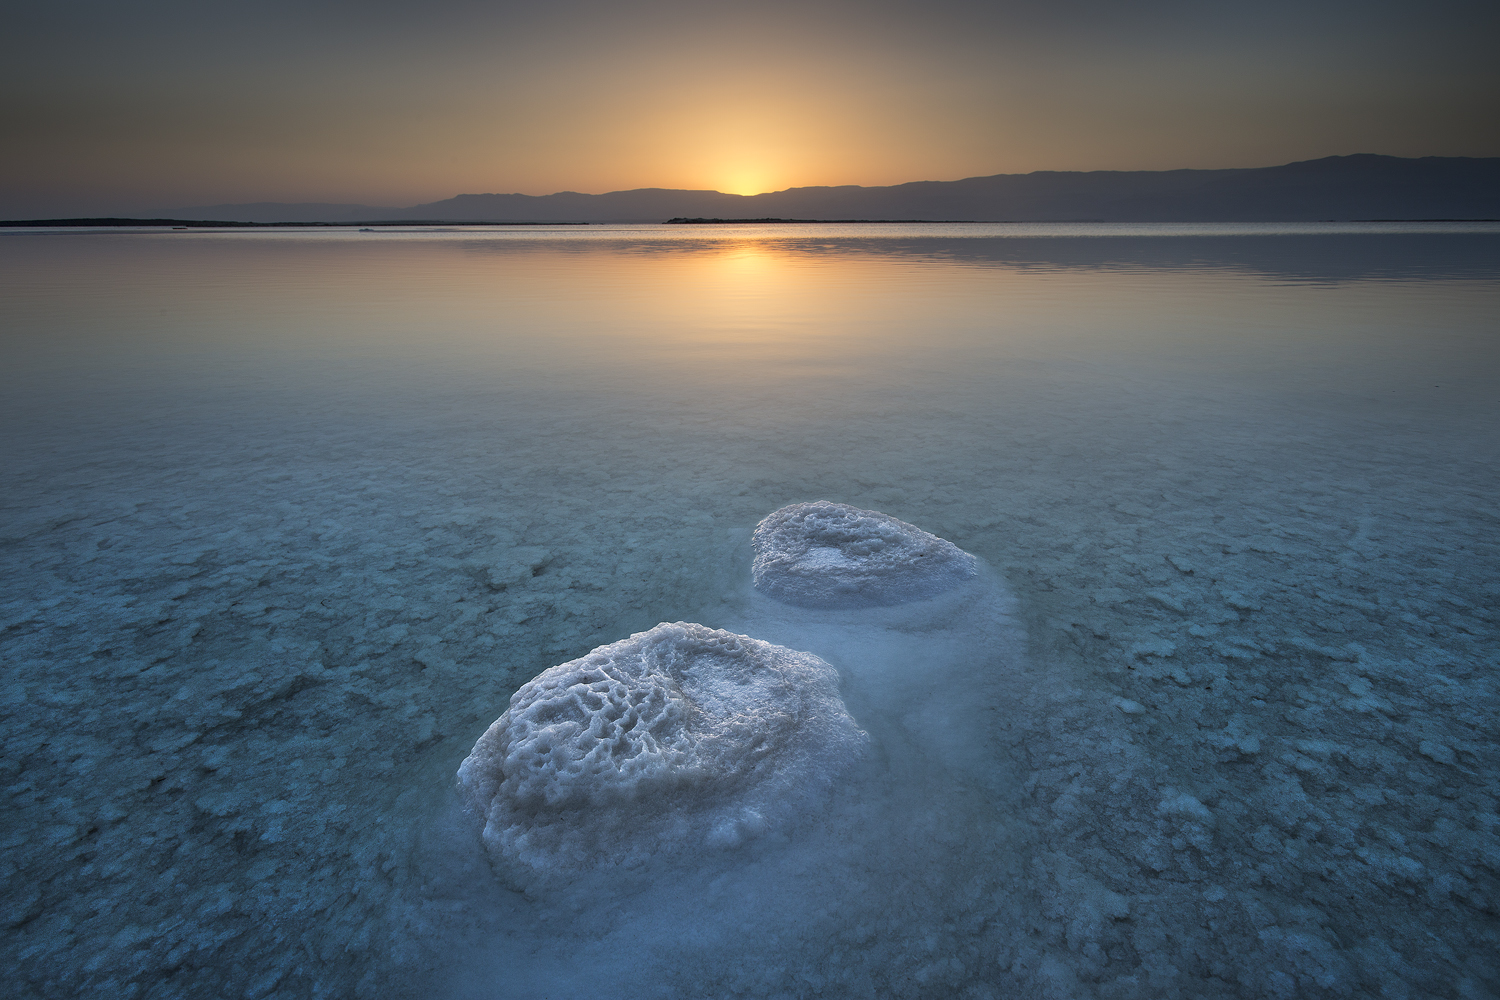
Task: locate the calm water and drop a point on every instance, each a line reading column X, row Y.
column 289, row 516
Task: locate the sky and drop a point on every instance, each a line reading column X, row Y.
column 112, row 108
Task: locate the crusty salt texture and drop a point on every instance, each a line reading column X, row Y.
column 676, row 737
column 832, row 555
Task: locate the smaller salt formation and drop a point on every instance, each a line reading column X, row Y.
column 675, row 738
column 833, row 556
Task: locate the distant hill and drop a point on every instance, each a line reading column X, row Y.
column 1364, row 186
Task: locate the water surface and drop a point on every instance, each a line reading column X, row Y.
column 288, row 516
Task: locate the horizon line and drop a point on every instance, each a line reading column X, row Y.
column 823, row 187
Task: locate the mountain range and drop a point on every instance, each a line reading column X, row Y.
column 1359, row 187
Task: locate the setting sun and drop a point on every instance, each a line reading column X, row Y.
column 745, row 182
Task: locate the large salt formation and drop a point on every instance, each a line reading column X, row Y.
column 680, row 737
column 926, row 636
column 834, row 556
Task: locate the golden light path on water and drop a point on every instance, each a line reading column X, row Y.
column 751, row 304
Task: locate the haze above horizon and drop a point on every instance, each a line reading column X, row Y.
column 114, row 110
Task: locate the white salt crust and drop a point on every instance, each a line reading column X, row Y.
column 674, row 738
column 926, row 637
column 831, row 555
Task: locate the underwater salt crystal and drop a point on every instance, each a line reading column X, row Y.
column 832, row 555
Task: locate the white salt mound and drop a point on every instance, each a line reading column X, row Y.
column 675, row 738
column 832, row 555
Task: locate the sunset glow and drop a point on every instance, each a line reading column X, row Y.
column 744, row 182
column 126, row 112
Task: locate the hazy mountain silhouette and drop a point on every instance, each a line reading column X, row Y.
column 1363, row 186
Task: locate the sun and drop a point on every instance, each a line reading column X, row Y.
column 744, row 182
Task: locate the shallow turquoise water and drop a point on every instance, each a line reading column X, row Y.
column 288, row 517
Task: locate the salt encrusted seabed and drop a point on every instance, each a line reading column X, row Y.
column 288, row 519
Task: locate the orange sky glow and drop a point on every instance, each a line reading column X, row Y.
column 399, row 107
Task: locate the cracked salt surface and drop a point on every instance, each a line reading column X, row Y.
column 287, row 522
column 676, row 740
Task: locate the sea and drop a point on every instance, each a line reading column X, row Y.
column 288, row 516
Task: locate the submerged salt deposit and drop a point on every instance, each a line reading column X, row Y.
column 678, row 738
column 926, row 634
column 613, row 784
column 931, row 829
column 832, row 555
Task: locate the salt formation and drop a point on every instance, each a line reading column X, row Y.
column 924, row 634
column 832, row 555
column 674, row 738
